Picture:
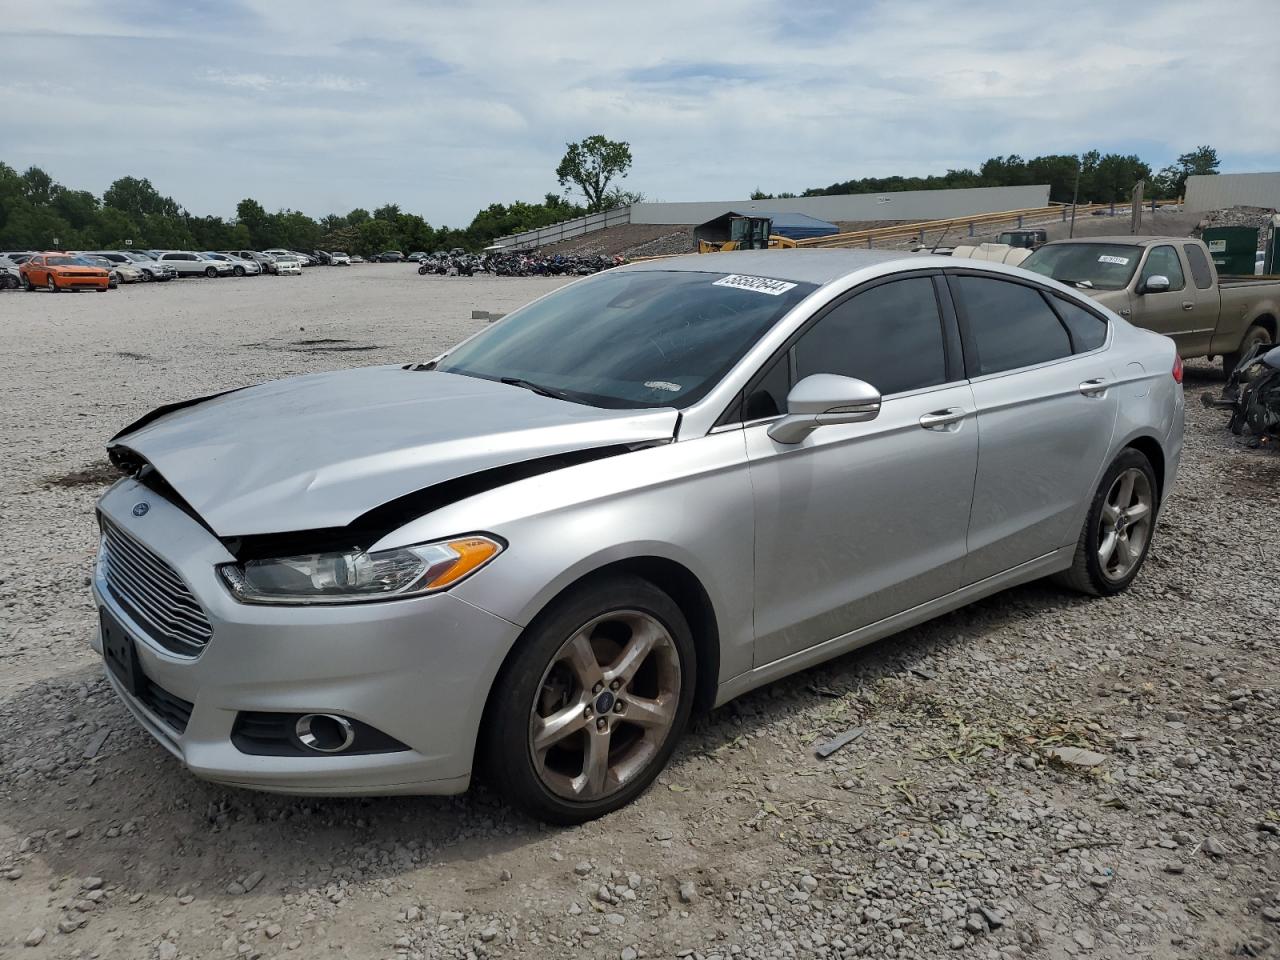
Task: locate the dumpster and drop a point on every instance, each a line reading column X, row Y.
column 1233, row 249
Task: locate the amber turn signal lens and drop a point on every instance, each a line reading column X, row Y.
column 472, row 552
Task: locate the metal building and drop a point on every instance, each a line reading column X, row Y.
column 1219, row 190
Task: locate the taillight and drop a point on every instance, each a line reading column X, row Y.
column 1177, row 368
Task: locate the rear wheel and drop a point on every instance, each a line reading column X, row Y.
column 1117, row 532
column 1252, row 337
column 587, row 711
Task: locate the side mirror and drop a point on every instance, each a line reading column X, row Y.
column 1156, row 284
column 823, row 399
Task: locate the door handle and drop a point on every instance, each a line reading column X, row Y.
column 942, row 419
column 1094, row 388
column 1188, row 305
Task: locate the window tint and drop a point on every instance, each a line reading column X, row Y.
column 890, row 336
column 1200, row 271
column 1010, row 325
column 1088, row 330
column 1163, row 262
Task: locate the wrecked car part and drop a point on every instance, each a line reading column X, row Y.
column 1252, row 394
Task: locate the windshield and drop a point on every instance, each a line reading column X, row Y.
column 1089, row 266
column 633, row 339
column 69, row 262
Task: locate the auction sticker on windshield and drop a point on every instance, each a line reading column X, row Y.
column 757, row 284
column 1118, row 261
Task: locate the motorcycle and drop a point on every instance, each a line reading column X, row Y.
column 1252, row 394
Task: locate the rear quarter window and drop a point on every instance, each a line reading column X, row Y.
column 1088, row 330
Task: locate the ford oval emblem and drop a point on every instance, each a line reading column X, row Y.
column 141, row 508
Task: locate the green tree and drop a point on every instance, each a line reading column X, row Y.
column 1172, row 180
column 591, row 165
column 374, row 237
column 138, row 198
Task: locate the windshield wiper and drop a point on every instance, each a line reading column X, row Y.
column 539, row 389
column 1082, row 284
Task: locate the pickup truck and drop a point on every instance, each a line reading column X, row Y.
column 1169, row 285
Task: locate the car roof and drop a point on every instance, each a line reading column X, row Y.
column 797, row 266
column 1121, row 239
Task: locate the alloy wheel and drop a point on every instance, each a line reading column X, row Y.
column 1124, row 523
column 605, row 706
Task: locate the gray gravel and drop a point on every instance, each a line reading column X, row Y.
column 969, row 816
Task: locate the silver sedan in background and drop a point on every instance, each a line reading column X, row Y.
column 643, row 494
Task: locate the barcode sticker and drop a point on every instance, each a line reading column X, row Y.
column 773, row 288
column 1118, row 261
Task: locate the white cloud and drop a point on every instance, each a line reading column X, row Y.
column 444, row 108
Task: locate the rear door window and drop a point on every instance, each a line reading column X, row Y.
column 1009, row 325
column 1199, row 264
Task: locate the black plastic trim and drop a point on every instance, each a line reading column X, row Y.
column 263, row 734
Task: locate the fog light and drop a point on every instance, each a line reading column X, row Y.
column 324, row 732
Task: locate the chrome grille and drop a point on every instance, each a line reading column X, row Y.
column 152, row 593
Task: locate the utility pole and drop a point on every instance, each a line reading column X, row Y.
column 1135, row 208
column 1075, row 195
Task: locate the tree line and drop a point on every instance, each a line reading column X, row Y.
column 1103, row 177
column 36, row 212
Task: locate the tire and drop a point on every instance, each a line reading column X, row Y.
column 1100, row 572
column 211, row 272
column 146, row 276
column 1253, row 336
column 540, row 680
column 27, row 284
column 238, row 271
column 50, row 284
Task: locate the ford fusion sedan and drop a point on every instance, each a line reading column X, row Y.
column 240, row 267
column 56, row 272
column 643, row 494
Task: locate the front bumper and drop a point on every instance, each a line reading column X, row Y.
column 418, row 670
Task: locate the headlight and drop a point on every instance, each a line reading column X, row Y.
column 354, row 576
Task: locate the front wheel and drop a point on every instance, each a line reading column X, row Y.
column 50, row 284
column 1252, row 337
column 211, row 272
column 1117, row 532
column 238, row 271
column 589, row 708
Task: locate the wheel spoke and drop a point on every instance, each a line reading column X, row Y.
column 1138, row 511
column 1110, row 513
column 635, row 653
column 643, row 712
column 1125, row 496
column 1124, row 553
column 581, row 659
column 1107, row 548
column 548, row 731
column 595, row 766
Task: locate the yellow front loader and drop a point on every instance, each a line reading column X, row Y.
column 747, row 233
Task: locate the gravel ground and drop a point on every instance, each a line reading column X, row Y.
column 946, row 827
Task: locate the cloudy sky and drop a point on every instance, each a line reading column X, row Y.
column 443, row 108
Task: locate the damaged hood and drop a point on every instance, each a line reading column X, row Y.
column 321, row 450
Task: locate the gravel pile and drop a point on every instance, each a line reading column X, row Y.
column 1039, row 775
column 1258, row 217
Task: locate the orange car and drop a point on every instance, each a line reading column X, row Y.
column 63, row 271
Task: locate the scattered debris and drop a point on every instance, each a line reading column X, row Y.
column 824, row 750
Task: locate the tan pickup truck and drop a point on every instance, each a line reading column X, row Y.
column 1169, row 285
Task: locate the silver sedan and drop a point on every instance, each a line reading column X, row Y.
column 643, row 494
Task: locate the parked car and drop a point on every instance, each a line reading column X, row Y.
column 416, row 257
column 56, row 272
column 190, row 264
column 10, row 277
column 653, row 489
column 286, row 264
column 239, row 266
column 356, row 258
column 390, row 256
column 1026, row 239
column 148, row 268
column 114, row 276
column 263, row 260
column 339, row 259
column 1169, row 285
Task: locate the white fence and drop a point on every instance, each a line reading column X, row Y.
column 1213, row 192
column 566, row 230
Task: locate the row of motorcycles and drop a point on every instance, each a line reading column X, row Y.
column 514, row 265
